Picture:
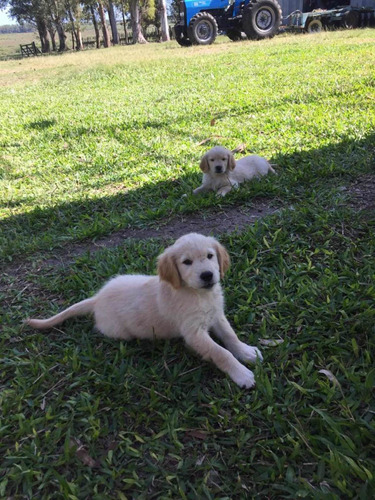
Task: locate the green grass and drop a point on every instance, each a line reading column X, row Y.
column 91, row 146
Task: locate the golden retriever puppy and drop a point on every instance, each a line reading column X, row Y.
column 221, row 172
column 184, row 300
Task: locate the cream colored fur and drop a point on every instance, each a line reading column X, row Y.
column 184, row 300
column 221, row 172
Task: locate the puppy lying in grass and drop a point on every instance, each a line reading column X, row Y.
column 184, row 300
column 221, row 172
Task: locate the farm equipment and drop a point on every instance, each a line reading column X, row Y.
column 200, row 21
column 341, row 17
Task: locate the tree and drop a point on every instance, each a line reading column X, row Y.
column 122, row 5
column 52, row 33
column 138, row 36
column 34, row 12
column 112, row 22
column 89, row 9
column 106, row 40
column 74, row 12
column 164, row 26
column 57, row 14
column 96, row 27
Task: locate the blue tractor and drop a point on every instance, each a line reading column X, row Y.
column 200, row 21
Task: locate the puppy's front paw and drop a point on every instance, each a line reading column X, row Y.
column 249, row 353
column 243, row 377
column 223, row 191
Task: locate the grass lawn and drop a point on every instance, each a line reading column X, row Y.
column 105, row 141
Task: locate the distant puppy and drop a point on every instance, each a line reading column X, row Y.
column 221, row 172
column 185, row 300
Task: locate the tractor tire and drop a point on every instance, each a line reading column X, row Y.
column 261, row 19
column 183, row 41
column 202, row 29
column 314, row 26
column 234, row 35
column 351, row 20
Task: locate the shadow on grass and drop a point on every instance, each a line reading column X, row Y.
column 40, row 125
column 304, row 175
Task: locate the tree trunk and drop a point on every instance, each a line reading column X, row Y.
column 124, row 23
column 164, row 26
column 61, row 35
column 55, row 13
column 136, row 22
column 96, row 27
column 76, row 31
column 79, row 37
column 43, row 35
column 104, row 25
column 52, row 35
column 112, row 20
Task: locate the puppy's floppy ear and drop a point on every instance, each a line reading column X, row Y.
column 167, row 269
column 204, row 164
column 223, row 258
column 231, row 161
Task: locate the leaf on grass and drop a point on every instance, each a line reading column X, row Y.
column 82, row 453
column 271, row 342
column 301, row 389
column 213, row 121
column 330, row 376
column 370, row 379
column 196, row 433
column 209, row 139
column 240, row 148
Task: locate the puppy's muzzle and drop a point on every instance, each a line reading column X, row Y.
column 206, row 277
column 218, row 169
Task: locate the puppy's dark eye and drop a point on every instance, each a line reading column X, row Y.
column 223, row 159
column 209, row 256
column 211, row 159
column 187, row 262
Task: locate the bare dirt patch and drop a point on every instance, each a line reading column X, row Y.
column 362, row 193
column 208, row 222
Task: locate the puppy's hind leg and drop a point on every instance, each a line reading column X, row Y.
column 271, row 169
column 200, row 190
column 223, row 190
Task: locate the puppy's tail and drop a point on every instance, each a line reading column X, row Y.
column 271, row 169
column 84, row 307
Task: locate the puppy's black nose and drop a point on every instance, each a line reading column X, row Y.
column 218, row 169
column 206, row 276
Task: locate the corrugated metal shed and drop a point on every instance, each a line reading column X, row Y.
column 289, row 6
column 362, row 3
